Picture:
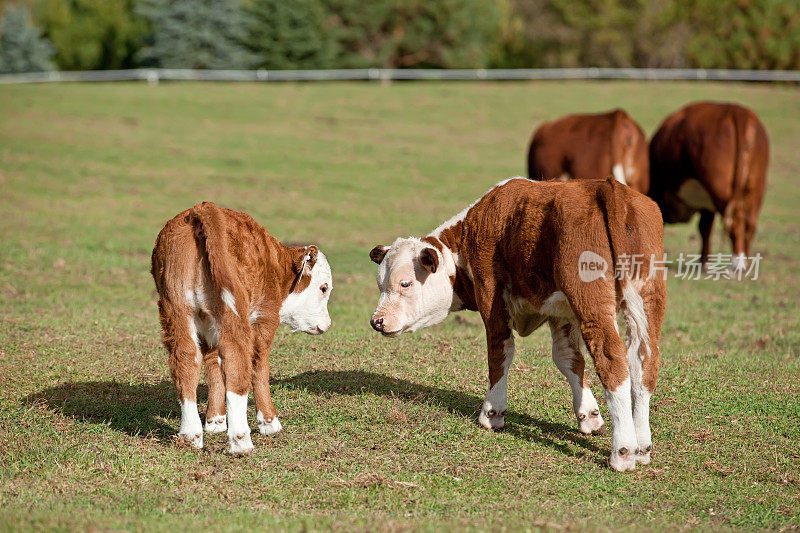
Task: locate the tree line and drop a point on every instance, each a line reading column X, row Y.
column 40, row 35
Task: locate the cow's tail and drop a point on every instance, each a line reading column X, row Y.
column 622, row 146
column 209, row 227
column 612, row 198
column 744, row 136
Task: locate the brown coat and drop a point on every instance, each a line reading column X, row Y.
column 711, row 157
column 516, row 256
column 591, row 146
column 222, row 281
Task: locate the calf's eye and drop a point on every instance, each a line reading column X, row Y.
column 405, row 284
column 324, row 288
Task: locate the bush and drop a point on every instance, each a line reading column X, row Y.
column 196, row 34
column 414, row 33
column 92, row 34
column 288, row 35
column 22, row 48
column 756, row 34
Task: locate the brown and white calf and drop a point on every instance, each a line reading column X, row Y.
column 711, row 157
column 591, row 146
column 516, row 256
column 224, row 286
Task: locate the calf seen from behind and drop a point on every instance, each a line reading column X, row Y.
column 224, row 286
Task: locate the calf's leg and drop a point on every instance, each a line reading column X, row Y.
column 610, row 360
column 215, row 412
column 568, row 358
column 266, row 414
column 180, row 340
column 235, row 348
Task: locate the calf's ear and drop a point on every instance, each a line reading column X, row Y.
column 429, row 258
column 304, row 257
column 378, row 253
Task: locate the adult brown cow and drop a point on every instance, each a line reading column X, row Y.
column 530, row 252
column 711, row 157
column 591, row 146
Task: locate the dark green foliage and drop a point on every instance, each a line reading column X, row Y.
column 652, row 33
column 92, row 34
column 288, row 35
column 757, row 34
column 414, row 33
column 22, row 48
column 196, row 34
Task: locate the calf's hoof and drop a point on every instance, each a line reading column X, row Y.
column 591, row 423
column 643, row 455
column 269, row 427
column 216, row 424
column 193, row 439
column 491, row 419
column 240, row 444
column 623, row 459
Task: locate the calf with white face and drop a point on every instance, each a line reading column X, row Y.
column 415, row 287
column 513, row 256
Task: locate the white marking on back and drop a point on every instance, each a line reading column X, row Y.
column 229, row 300
column 463, row 213
column 619, row 173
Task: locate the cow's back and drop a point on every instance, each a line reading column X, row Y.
column 712, row 143
column 590, row 146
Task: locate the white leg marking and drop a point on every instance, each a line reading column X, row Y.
column 637, row 337
column 268, row 427
column 229, row 300
column 494, row 407
column 238, row 428
column 565, row 350
column 216, row 424
column 191, row 427
column 739, row 264
column 623, row 439
column 619, row 173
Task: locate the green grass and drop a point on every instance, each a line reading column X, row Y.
column 379, row 433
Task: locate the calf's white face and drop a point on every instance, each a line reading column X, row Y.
column 307, row 310
column 414, row 280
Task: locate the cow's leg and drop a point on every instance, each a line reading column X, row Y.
column 235, row 348
column 500, row 348
column 568, row 358
column 215, row 412
column 610, row 360
column 737, row 234
column 643, row 316
column 267, row 415
column 180, row 339
column 705, row 225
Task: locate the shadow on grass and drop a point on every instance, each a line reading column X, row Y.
column 143, row 409
column 355, row 382
column 138, row 409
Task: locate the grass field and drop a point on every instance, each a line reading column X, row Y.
column 380, row 434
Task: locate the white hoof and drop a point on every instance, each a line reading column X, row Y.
column 240, row 444
column 623, row 459
column 194, row 439
column 643, row 455
column 491, row 419
column 591, row 423
column 268, row 427
column 216, row 424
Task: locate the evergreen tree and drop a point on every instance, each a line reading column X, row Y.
column 22, row 48
column 196, row 34
column 288, row 35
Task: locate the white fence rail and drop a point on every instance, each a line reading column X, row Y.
column 154, row 75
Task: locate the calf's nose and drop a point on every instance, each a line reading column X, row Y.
column 377, row 324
